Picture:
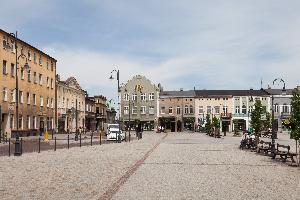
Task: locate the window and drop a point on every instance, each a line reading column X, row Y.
column 28, row 122
column 200, row 109
column 208, row 109
column 63, row 102
column 225, row 108
column 285, row 108
column 13, row 95
column 22, row 50
column 134, row 110
column 126, row 97
column 22, row 74
column 217, row 109
column 48, row 82
column 52, row 86
column 28, row 98
column 21, row 97
column 40, row 60
column 244, row 109
column 13, row 47
column 191, row 109
column 34, row 58
column 162, row 110
column 134, row 96
column 250, row 109
column 48, row 103
column 276, row 108
column 151, row 110
column 4, row 70
column 51, row 65
column 237, row 109
column 143, row 109
column 34, row 122
column 4, row 95
column 40, row 79
column 186, row 109
column 41, row 101
column 28, row 76
column 34, row 99
column 151, row 96
column 143, row 97
column 126, row 109
column 170, row 110
column 12, row 70
column 34, row 77
column 47, row 64
column 178, row 110
column 29, row 55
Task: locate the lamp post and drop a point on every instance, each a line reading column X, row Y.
column 26, row 66
column 119, row 99
column 273, row 131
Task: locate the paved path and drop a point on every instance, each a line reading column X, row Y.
column 195, row 166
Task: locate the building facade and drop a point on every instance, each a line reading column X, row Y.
column 216, row 103
column 36, row 92
column 139, row 103
column 101, row 114
column 90, row 116
column 177, row 110
column 70, row 105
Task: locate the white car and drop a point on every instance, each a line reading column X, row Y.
column 112, row 133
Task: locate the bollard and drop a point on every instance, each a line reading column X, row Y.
column 68, row 141
column 39, row 145
column 119, row 138
column 80, row 140
column 116, row 137
column 9, row 147
column 52, row 134
column 55, row 144
column 21, row 146
column 92, row 140
column 6, row 138
column 100, row 138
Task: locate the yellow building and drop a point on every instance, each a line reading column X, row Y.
column 70, row 105
column 36, row 87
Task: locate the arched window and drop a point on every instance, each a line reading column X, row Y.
column 186, row 109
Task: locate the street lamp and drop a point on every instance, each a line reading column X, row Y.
column 273, row 131
column 119, row 99
column 26, row 67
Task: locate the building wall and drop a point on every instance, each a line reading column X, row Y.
column 100, row 111
column 67, row 94
column 143, row 110
column 31, row 115
column 221, row 103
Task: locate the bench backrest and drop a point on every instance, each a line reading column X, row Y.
column 283, row 146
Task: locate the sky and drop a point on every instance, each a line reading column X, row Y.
column 213, row 44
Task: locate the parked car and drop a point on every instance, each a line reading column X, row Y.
column 113, row 132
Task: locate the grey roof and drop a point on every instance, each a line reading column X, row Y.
column 229, row 93
column 279, row 91
column 189, row 93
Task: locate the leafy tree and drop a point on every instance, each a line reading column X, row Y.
column 295, row 118
column 268, row 122
column 208, row 124
column 216, row 125
column 236, row 127
column 256, row 121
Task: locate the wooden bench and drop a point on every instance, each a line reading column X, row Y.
column 284, row 152
column 264, row 146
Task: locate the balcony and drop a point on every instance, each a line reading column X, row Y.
column 226, row 115
column 240, row 115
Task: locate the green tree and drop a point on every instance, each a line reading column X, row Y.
column 268, row 122
column 208, row 124
column 256, row 121
column 295, row 118
column 236, row 127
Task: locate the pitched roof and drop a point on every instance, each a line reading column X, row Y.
column 279, row 91
column 229, row 93
column 189, row 93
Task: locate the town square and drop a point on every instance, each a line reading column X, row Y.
column 149, row 99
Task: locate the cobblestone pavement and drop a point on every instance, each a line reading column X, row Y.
column 195, row 166
column 159, row 166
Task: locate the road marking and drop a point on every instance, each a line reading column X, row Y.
column 117, row 185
